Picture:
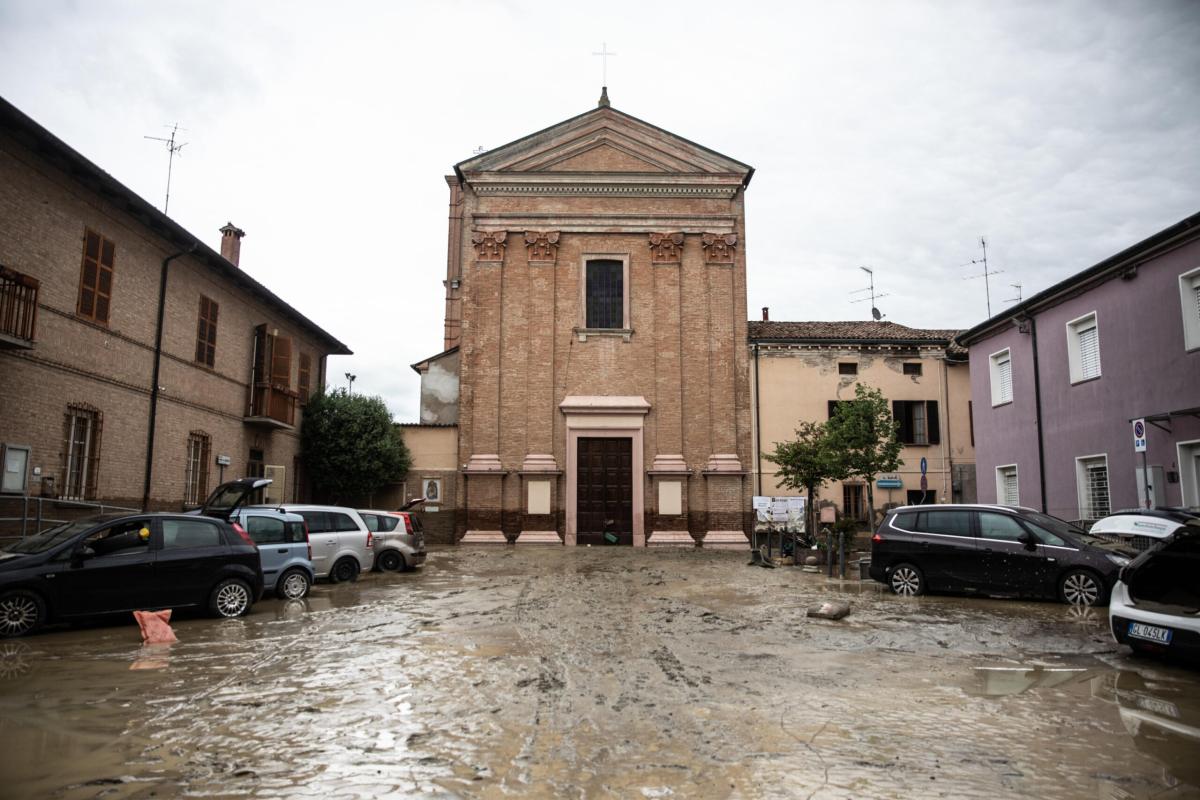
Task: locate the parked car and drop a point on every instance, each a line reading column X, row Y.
column 1141, row 528
column 283, row 546
column 996, row 550
column 1155, row 604
column 399, row 541
column 121, row 563
column 342, row 545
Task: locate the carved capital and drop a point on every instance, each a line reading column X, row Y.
column 666, row 248
column 489, row 245
column 541, row 245
column 718, row 247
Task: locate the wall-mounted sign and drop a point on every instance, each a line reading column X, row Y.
column 890, row 482
column 1139, row 436
column 223, row 461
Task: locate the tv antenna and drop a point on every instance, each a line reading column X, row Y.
column 1016, row 299
column 478, row 150
column 172, row 149
column 987, row 288
column 874, row 309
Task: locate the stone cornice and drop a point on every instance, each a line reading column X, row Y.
column 606, row 223
column 636, row 184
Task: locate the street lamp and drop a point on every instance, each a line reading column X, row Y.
column 350, row 378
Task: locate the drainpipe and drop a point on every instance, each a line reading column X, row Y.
column 158, row 334
column 1037, row 400
column 757, row 427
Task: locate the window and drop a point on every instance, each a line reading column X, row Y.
column 1083, row 348
column 1091, row 474
column 266, row 530
column 326, row 521
column 125, row 538
column 195, row 480
column 604, row 294
column 378, row 523
column 180, row 533
column 918, row 420
column 206, row 332
column 847, row 369
column 999, row 526
column 1007, row 491
column 1001, row 373
column 305, row 380
column 854, row 503
column 96, row 277
column 951, row 523
column 912, row 369
column 1189, row 298
column 81, row 452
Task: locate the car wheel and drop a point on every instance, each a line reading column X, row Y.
column 344, row 570
column 21, row 612
column 293, row 584
column 1081, row 587
column 230, row 598
column 907, row 580
column 391, row 561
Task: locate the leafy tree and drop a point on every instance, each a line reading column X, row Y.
column 808, row 462
column 350, row 446
column 864, row 433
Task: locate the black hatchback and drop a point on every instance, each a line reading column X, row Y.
column 993, row 550
column 120, row 563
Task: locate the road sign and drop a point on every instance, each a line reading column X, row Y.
column 924, row 484
column 924, row 465
column 1139, row 436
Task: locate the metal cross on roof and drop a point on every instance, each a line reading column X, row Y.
column 604, row 54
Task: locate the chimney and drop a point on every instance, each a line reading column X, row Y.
column 766, row 314
column 231, row 243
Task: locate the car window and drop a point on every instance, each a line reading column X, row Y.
column 906, row 521
column 1047, row 537
column 51, row 538
column 178, row 533
column 295, row 532
column 341, row 522
column 372, row 522
column 266, row 530
column 999, row 526
column 132, row 536
column 954, row 523
column 317, row 522
column 388, row 522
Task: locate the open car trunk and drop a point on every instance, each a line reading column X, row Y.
column 1167, row 578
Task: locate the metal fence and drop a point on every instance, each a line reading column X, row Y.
column 41, row 513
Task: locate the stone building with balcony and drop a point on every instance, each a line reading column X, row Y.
column 138, row 366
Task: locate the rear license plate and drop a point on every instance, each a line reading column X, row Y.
column 1164, row 708
column 1151, row 633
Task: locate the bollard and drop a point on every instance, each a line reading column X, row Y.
column 842, row 553
column 828, row 553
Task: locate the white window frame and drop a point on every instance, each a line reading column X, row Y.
column 1081, row 463
column 994, row 361
column 1075, row 329
column 581, row 324
column 1189, row 302
column 1001, row 472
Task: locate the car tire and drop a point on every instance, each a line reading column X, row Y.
column 907, row 580
column 391, row 561
column 293, row 584
column 230, row 598
column 1082, row 587
column 344, row 569
column 21, row 612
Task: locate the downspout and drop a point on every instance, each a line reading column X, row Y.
column 1037, row 400
column 158, row 334
column 757, row 427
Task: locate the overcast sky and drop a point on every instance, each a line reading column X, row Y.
column 891, row 135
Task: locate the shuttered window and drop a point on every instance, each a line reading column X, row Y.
column 919, row 423
column 1089, row 352
column 206, row 332
column 1083, row 348
column 605, row 294
column 1007, row 489
column 96, row 277
column 1001, row 374
column 305, row 379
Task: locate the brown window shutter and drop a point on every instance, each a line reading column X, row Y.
column 932, row 424
column 281, row 362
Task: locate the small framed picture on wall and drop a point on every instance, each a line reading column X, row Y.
column 433, row 490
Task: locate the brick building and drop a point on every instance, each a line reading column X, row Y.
column 596, row 305
column 113, row 316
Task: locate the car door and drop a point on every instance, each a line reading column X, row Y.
column 1009, row 565
column 323, row 541
column 191, row 553
column 111, row 570
column 944, row 548
column 274, row 549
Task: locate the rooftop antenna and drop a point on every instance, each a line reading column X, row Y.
column 987, row 288
column 478, row 150
column 1016, row 299
column 172, row 149
column 604, row 54
column 874, row 310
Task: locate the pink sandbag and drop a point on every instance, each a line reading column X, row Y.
column 155, row 625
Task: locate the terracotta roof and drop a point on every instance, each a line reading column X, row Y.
column 852, row 331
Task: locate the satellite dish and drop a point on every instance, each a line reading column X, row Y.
column 875, row 313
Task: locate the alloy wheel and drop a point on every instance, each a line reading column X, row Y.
column 906, row 581
column 232, row 600
column 18, row 615
column 294, row 586
column 1081, row 589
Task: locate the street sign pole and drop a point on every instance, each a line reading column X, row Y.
column 1139, row 446
column 1145, row 479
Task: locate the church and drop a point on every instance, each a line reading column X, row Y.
column 595, row 368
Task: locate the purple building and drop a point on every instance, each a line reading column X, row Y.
column 1057, row 380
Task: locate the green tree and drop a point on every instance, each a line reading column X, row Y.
column 864, row 434
column 350, row 446
column 807, row 463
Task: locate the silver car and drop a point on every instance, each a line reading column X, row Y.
column 342, row 545
column 399, row 543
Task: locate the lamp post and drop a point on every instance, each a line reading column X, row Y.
column 350, row 379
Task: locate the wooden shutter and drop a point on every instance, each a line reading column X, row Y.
column 901, row 413
column 281, row 362
column 932, row 423
column 206, row 332
column 305, row 376
column 96, row 276
column 1005, row 370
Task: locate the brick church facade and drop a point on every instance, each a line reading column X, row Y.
column 596, row 309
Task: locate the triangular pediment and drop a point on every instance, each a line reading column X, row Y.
column 604, row 141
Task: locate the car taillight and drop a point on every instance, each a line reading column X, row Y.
column 245, row 536
column 408, row 526
column 876, row 538
column 307, row 541
column 370, row 540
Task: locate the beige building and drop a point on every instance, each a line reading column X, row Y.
column 595, row 315
column 800, row 370
column 138, row 366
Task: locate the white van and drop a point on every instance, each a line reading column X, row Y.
column 342, row 546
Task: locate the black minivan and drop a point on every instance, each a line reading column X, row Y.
column 993, row 550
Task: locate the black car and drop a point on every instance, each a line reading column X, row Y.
column 996, row 550
column 114, row 563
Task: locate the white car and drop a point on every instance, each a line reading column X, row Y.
column 342, row 546
column 1155, row 604
column 1141, row 529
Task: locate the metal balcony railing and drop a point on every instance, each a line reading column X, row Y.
column 18, row 305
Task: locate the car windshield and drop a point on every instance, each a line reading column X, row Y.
column 51, row 538
column 1060, row 527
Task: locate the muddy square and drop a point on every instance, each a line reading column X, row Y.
column 600, row 672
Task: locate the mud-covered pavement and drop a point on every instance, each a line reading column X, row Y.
column 600, row 673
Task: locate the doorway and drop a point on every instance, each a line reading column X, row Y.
column 604, row 491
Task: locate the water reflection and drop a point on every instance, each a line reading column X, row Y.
column 153, row 656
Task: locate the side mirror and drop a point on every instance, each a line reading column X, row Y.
column 1029, row 540
column 81, row 553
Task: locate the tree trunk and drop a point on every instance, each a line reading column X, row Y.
column 871, row 504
